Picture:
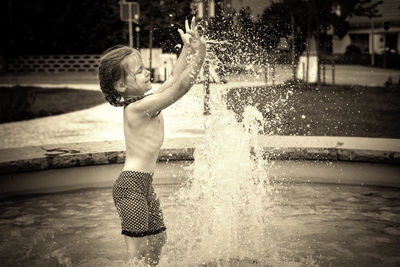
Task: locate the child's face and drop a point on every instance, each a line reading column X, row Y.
column 138, row 78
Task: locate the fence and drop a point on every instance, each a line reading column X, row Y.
column 392, row 60
column 52, row 63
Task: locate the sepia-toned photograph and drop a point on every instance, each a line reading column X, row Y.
column 210, row 133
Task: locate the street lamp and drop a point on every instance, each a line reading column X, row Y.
column 137, row 29
column 205, row 10
column 130, row 12
column 386, row 27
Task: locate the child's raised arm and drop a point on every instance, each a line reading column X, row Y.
column 184, row 56
column 185, row 76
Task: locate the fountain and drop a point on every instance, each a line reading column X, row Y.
column 228, row 207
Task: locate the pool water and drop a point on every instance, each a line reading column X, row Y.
column 308, row 225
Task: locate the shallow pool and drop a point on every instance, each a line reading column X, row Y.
column 308, row 225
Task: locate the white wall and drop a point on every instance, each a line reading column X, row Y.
column 301, row 72
column 339, row 45
column 398, row 43
column 155, row 59
column 379, row 43
column 164, row 71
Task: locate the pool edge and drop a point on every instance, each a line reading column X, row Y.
column 352, row 149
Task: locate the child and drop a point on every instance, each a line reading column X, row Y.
column 124, row 82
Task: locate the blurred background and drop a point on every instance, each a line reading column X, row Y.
column 361, row 30
column 319, row 79
column 336, row 62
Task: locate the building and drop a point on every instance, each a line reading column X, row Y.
column 369, row 34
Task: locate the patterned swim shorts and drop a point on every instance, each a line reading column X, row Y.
column 137, row 204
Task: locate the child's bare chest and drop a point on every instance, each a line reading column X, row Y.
column 155, row 129
column 148, row 134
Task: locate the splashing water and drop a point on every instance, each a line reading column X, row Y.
column 223, row 209
column 223, row 206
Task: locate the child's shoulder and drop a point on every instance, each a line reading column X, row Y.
column 131, row 110
column 134, row 113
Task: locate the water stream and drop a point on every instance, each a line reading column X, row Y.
column 222, row 214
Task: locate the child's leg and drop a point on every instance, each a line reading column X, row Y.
column 156, row 243
column 136, row 248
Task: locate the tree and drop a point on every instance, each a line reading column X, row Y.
column 235, row 41
column 164, row 18
column 314, row 17
column 273, row 24
column 84, row 26
column 54, row 27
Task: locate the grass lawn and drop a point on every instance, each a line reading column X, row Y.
column 22, row 103
column 323, row 110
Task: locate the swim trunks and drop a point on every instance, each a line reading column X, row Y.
column 137, row 204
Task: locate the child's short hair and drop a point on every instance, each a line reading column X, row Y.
column 111, row 70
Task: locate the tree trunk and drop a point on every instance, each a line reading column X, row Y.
column 318, row 53
column 293, row 46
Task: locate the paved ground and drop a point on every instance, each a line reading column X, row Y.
column 104, row 122
column 99, row 123
column 344, row 74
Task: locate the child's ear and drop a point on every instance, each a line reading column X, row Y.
column 120, row 86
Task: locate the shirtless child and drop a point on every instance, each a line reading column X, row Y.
column 124, row 82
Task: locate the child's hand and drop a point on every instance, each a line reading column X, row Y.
column 190, row 32
column 192, row 38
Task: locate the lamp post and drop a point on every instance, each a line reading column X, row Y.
column 205, row 10
column 293, row 46
column 130, row 12
column 137, row 29
column 386, row 27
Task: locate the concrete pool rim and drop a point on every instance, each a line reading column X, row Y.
column 338, row 161
column 317, row 148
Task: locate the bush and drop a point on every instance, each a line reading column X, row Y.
column 352, row 50
column 392, row 60
column 393, row 83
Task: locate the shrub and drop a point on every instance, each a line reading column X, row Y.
column 352, row 50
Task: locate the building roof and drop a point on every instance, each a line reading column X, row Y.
column 389, row 10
